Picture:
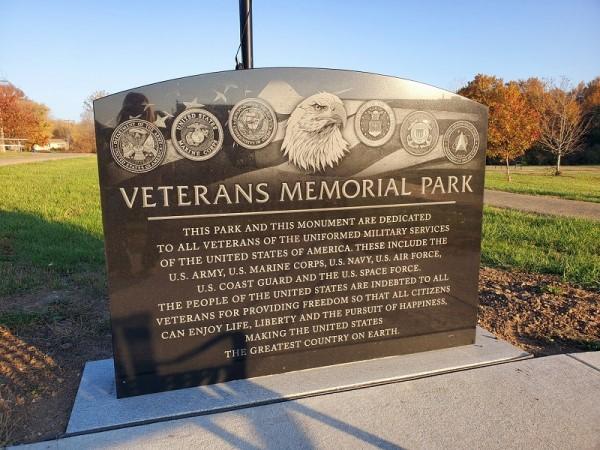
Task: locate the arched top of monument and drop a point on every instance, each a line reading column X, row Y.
column 280, row 85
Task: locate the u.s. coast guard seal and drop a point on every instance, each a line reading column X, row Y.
column 374, row 123
column 138, row 146
column 419, row 133
column 461, row 142
column 252, row 123
column 197, row 134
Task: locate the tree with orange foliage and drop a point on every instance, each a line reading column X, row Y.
column 590, row 96
column 534, row 91
column 22, row 118
column 513, row 122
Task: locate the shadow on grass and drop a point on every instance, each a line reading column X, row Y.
column 52, row 319
column 35, row 252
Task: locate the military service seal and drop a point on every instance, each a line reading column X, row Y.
column 461, row 142
column 252, row 123
column 419, row 133
column 197, row 134
column 138, row 146
column 374, row 123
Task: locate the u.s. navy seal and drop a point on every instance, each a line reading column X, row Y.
column 252, row 123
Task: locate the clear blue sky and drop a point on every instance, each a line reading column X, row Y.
column 60, row 51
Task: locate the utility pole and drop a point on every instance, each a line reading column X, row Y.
column 246, row 34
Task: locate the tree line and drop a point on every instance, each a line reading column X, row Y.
column 539, row 117
column 29, row 121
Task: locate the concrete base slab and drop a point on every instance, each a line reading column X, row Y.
column 542, row 403
column 96, row 407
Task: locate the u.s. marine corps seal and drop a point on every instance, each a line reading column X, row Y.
column 138, row 146
column 461, row 142
column 419, row 133
column 197, row 134
column 252, row 123
column 374, row 123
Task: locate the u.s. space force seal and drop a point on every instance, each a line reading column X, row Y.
column 252, row 123
column 419, row 133
column 197, row 134
column 461, row 142
column 374, row 123
column 138, row 146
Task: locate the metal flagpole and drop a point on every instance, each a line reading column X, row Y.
column 246, row 33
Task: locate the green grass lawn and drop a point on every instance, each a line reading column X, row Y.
column 50, row 224
column 562, row 246
column 576, row 182
column 51, row 232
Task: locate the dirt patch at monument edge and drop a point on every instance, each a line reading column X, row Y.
column 539, row 313
column 46, row 338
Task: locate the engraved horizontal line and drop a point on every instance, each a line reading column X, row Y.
column 294, row 211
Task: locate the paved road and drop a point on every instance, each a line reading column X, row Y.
column 37, row 157
column 543, row 204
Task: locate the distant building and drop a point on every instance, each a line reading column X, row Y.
column 52, row 145
column 58, row 144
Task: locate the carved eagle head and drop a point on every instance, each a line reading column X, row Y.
column 313, row 138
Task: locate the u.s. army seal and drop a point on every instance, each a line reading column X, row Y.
column 197, row 134
column 419, row 133
column 138, row 146
column 374, row 123
column 461, row 142
column 252, row 123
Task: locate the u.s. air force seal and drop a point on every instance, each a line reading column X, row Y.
column 419, row 133
column 252, row 123
column 461, row 142
column 197, row 134
column 374, row 123
column 138, row 146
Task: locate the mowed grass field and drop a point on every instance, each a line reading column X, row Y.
column 50, row 224
column 561, row 246
column 51, row 232
column 575, row 183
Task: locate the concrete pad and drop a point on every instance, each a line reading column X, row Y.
column 592, row 359
column 97, row 408
column 542, row 403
